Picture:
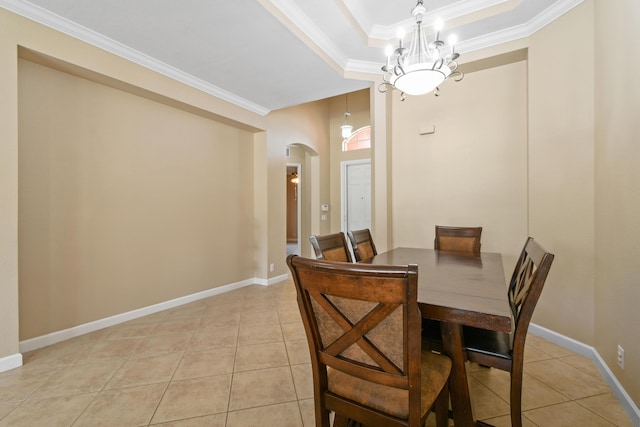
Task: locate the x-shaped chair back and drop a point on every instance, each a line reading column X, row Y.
column 362, row 320
column 525, row 287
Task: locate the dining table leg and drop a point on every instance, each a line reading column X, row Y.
column 458, row 385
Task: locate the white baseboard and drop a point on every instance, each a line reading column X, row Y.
column 278, row 279
column 54, row 337
column 588, row 351
column 10, row 362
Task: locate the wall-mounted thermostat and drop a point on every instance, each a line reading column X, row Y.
column 325, row 208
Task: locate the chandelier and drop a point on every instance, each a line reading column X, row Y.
column 421, row 68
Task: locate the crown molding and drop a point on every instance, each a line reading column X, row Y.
column 72, row 29
column 447, row 13
column 366, row 67
column 543, row 19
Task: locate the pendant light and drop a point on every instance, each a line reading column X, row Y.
column 346, row 128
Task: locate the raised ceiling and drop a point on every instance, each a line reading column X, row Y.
column 265, row 55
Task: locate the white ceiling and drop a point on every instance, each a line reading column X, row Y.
column 269, row 54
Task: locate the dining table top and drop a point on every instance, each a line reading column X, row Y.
column 468, row 289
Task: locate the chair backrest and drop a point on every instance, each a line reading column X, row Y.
column 458, row 239
column 525, row 287
column 362, row 244
column 363, row 323
column 331, row 247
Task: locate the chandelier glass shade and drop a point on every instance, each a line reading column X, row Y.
column 423, row 67
column 346, row 128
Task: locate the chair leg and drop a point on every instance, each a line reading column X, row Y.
column 516, row 400
column 442, row 407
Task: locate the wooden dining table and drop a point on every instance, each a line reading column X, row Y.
column 458, row 289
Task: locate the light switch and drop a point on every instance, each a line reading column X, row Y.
column 323, row 218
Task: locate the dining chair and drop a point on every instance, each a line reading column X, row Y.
column 505, row 351
column 362, row 244
column 331, row 247
column 363, row 329
column 458, row 239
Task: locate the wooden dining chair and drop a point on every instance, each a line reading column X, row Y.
column 458, row 239
column 362, row 244
column 452, row 239
column 363, row 329
column 505, row 351
column 331, row 247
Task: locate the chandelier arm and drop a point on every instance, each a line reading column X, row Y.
column 383, row 87
column 457, row 75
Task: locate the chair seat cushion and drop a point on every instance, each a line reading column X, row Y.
column 483, row 341
column 435, row 373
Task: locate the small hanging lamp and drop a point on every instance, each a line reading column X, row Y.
column 346, row 128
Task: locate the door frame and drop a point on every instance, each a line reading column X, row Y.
column 343, row 189
column 298, row 201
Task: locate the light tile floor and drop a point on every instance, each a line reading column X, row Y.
column 241, row 359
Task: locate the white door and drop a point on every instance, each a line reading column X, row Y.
column 356, row 195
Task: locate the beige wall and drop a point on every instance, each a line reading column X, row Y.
column 123, row 202
column 561, row 168
column 185, row 113
column 382, row 213
column 473, row 170
column 617, row 184
column 8, row 189
column 260, row 206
